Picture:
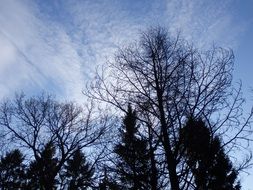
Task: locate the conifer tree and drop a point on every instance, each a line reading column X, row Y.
column 210, row 166
column 78, row 172
column 42, row 171
column 133, row 159
column 12, row 170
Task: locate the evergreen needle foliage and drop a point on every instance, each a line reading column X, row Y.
column 133, row 158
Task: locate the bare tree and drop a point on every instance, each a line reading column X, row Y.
column 30, row 123
column 167, row 81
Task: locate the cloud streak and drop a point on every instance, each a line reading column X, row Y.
column 56, row 46
column 205, row 22
column 41, row 56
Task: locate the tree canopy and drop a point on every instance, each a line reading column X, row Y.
column 167, row 81
column 163, row 114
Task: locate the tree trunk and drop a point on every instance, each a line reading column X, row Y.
column 171, row 162
column 153, row 180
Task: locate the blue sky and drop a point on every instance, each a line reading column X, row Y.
column 53, row 45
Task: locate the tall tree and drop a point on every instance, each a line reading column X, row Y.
column 42, row 171
column 12, row 171
column 166, row 80
column 206, row 158
column 78, row 172
column 133, row 163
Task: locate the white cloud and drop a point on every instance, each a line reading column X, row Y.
column 37, row 55
column 55, row 47
column 205, row 22
column 7, row 53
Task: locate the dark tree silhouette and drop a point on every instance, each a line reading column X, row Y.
column 33, row 122
column 78, row 172
column 12, row 171
column 206, row 158
column 42, row 171
column 166, row 80
column 133, row 159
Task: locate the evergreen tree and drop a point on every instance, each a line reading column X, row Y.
column 133, row 159
column 206, row 158
column 42, row 172
column 78, row 172
column 12, row 170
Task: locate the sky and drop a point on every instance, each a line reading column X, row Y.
column 55, row 45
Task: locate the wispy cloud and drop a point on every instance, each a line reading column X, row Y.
column 40, row 55
column 205, row 22
column 54, row 45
